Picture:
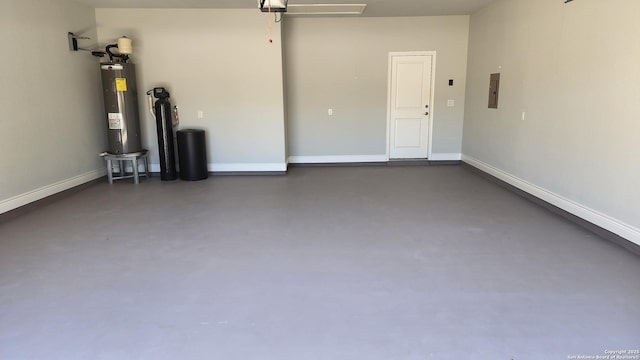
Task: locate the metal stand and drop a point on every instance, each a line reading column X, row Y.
column 121, row 159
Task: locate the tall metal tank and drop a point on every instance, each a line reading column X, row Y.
column 121, row 107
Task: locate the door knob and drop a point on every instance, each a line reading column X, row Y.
column 427, row 113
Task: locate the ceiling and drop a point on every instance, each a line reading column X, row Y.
column 374, row 8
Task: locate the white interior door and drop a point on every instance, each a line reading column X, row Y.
column 410, row 108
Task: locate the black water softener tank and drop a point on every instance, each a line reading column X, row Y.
column 192, row 154
column 164, row 123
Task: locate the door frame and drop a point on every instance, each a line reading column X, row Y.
column 432, row 100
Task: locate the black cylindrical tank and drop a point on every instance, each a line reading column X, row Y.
column 164, row 124
column 192, row 153
column 121, row 107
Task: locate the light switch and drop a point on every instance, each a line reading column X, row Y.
column 451, row 103
column 200, row 114
column 330, row 112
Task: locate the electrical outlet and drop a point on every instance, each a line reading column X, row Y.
column 330, row 112
column 200, row 114
column 451, row 103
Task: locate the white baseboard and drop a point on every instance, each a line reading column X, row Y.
column 239, row 167
column 616, row 226
column 41, row 193
column 337, row 159
column 446, row 157
column 249, row 167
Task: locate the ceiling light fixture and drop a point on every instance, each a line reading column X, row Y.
column 327, row 9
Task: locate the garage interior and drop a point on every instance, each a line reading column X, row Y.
column 515, row 236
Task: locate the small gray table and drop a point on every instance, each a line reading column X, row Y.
column 121, row 159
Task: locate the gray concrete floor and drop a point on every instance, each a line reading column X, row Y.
column 324, row 263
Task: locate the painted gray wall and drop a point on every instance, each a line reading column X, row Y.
column 217, row 61
column 342, row 63
column 52, row 127
column 574, row 69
